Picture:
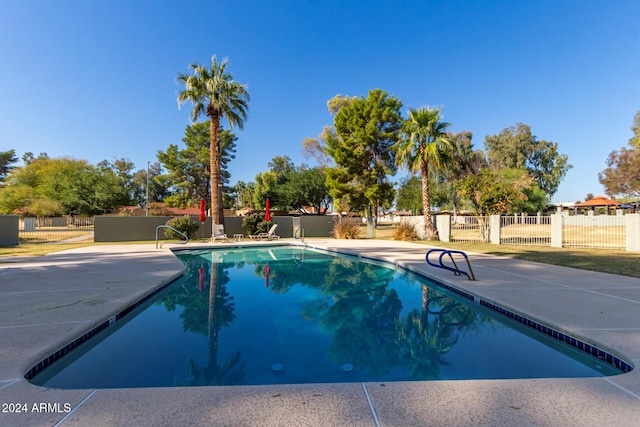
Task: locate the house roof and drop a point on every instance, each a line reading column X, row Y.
column 597, row 201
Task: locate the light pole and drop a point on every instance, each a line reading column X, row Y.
column 147, row 204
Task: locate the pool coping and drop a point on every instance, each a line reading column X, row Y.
column 573, row 401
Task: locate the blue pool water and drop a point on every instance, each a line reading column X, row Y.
column 285, row 315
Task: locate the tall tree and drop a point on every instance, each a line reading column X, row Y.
column 7, row 158
column 244, row 194
column 366, row 130
column 61, row 186
column 517, row 148
column 119, row 173
column 464, row 161
column 490, row 192
column 28, row 157
column 409, row 195
column 281, row 166
column 153, row 178
column 534, row 198
column 316, row 148
column 339, row 101
column 188, row 168
column 622, row 174
column 268, row 184
column 215, row 94
column 635, row 128
column 122, row 169
column 266, row 187
column 306, row 187
column 424, row 144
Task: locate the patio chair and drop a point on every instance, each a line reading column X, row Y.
column 218, row 233
column 270, row 235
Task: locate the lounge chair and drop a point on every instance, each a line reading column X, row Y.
column 218, row 233
column 270, row 235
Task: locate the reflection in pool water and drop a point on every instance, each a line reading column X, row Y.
column 285, row 315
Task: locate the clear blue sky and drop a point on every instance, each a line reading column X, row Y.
column 95, row 79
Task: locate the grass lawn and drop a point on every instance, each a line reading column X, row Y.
column 605, row 261
column 38, row 249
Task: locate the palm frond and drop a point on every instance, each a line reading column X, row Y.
column 424, row 139
column 213, row 91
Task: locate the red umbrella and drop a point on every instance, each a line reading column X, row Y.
column 267, row 270
column 267, row 215
column 203, row 214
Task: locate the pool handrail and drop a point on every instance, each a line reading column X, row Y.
column 301, row 230
column 457, row 271
column 177, row 231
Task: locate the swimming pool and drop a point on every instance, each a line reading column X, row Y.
column 285, row 315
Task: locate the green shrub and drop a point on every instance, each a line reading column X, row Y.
column 255, row 223
column 405, row 231
column 346, row 228
column 184, row 224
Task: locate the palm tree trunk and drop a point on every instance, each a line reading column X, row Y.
column 217, row 213
column 455, row 213
column 430, row 231
column 220, row 204
column 425, row 300
column 211, row 369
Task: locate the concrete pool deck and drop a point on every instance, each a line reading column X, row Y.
column 47, row 302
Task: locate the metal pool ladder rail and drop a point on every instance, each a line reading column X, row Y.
column 455, row 268
column 168, row 226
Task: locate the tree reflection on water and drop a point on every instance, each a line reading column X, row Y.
column 353, row 301
column 426, row 335
column 206, row 313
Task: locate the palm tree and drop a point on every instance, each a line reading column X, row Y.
column 424, row 144
column 215, row 94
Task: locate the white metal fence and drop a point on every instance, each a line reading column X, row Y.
column 470, row 229
column 576, row 231
column 594, row 231
column 525, row 230
column 56, row 230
